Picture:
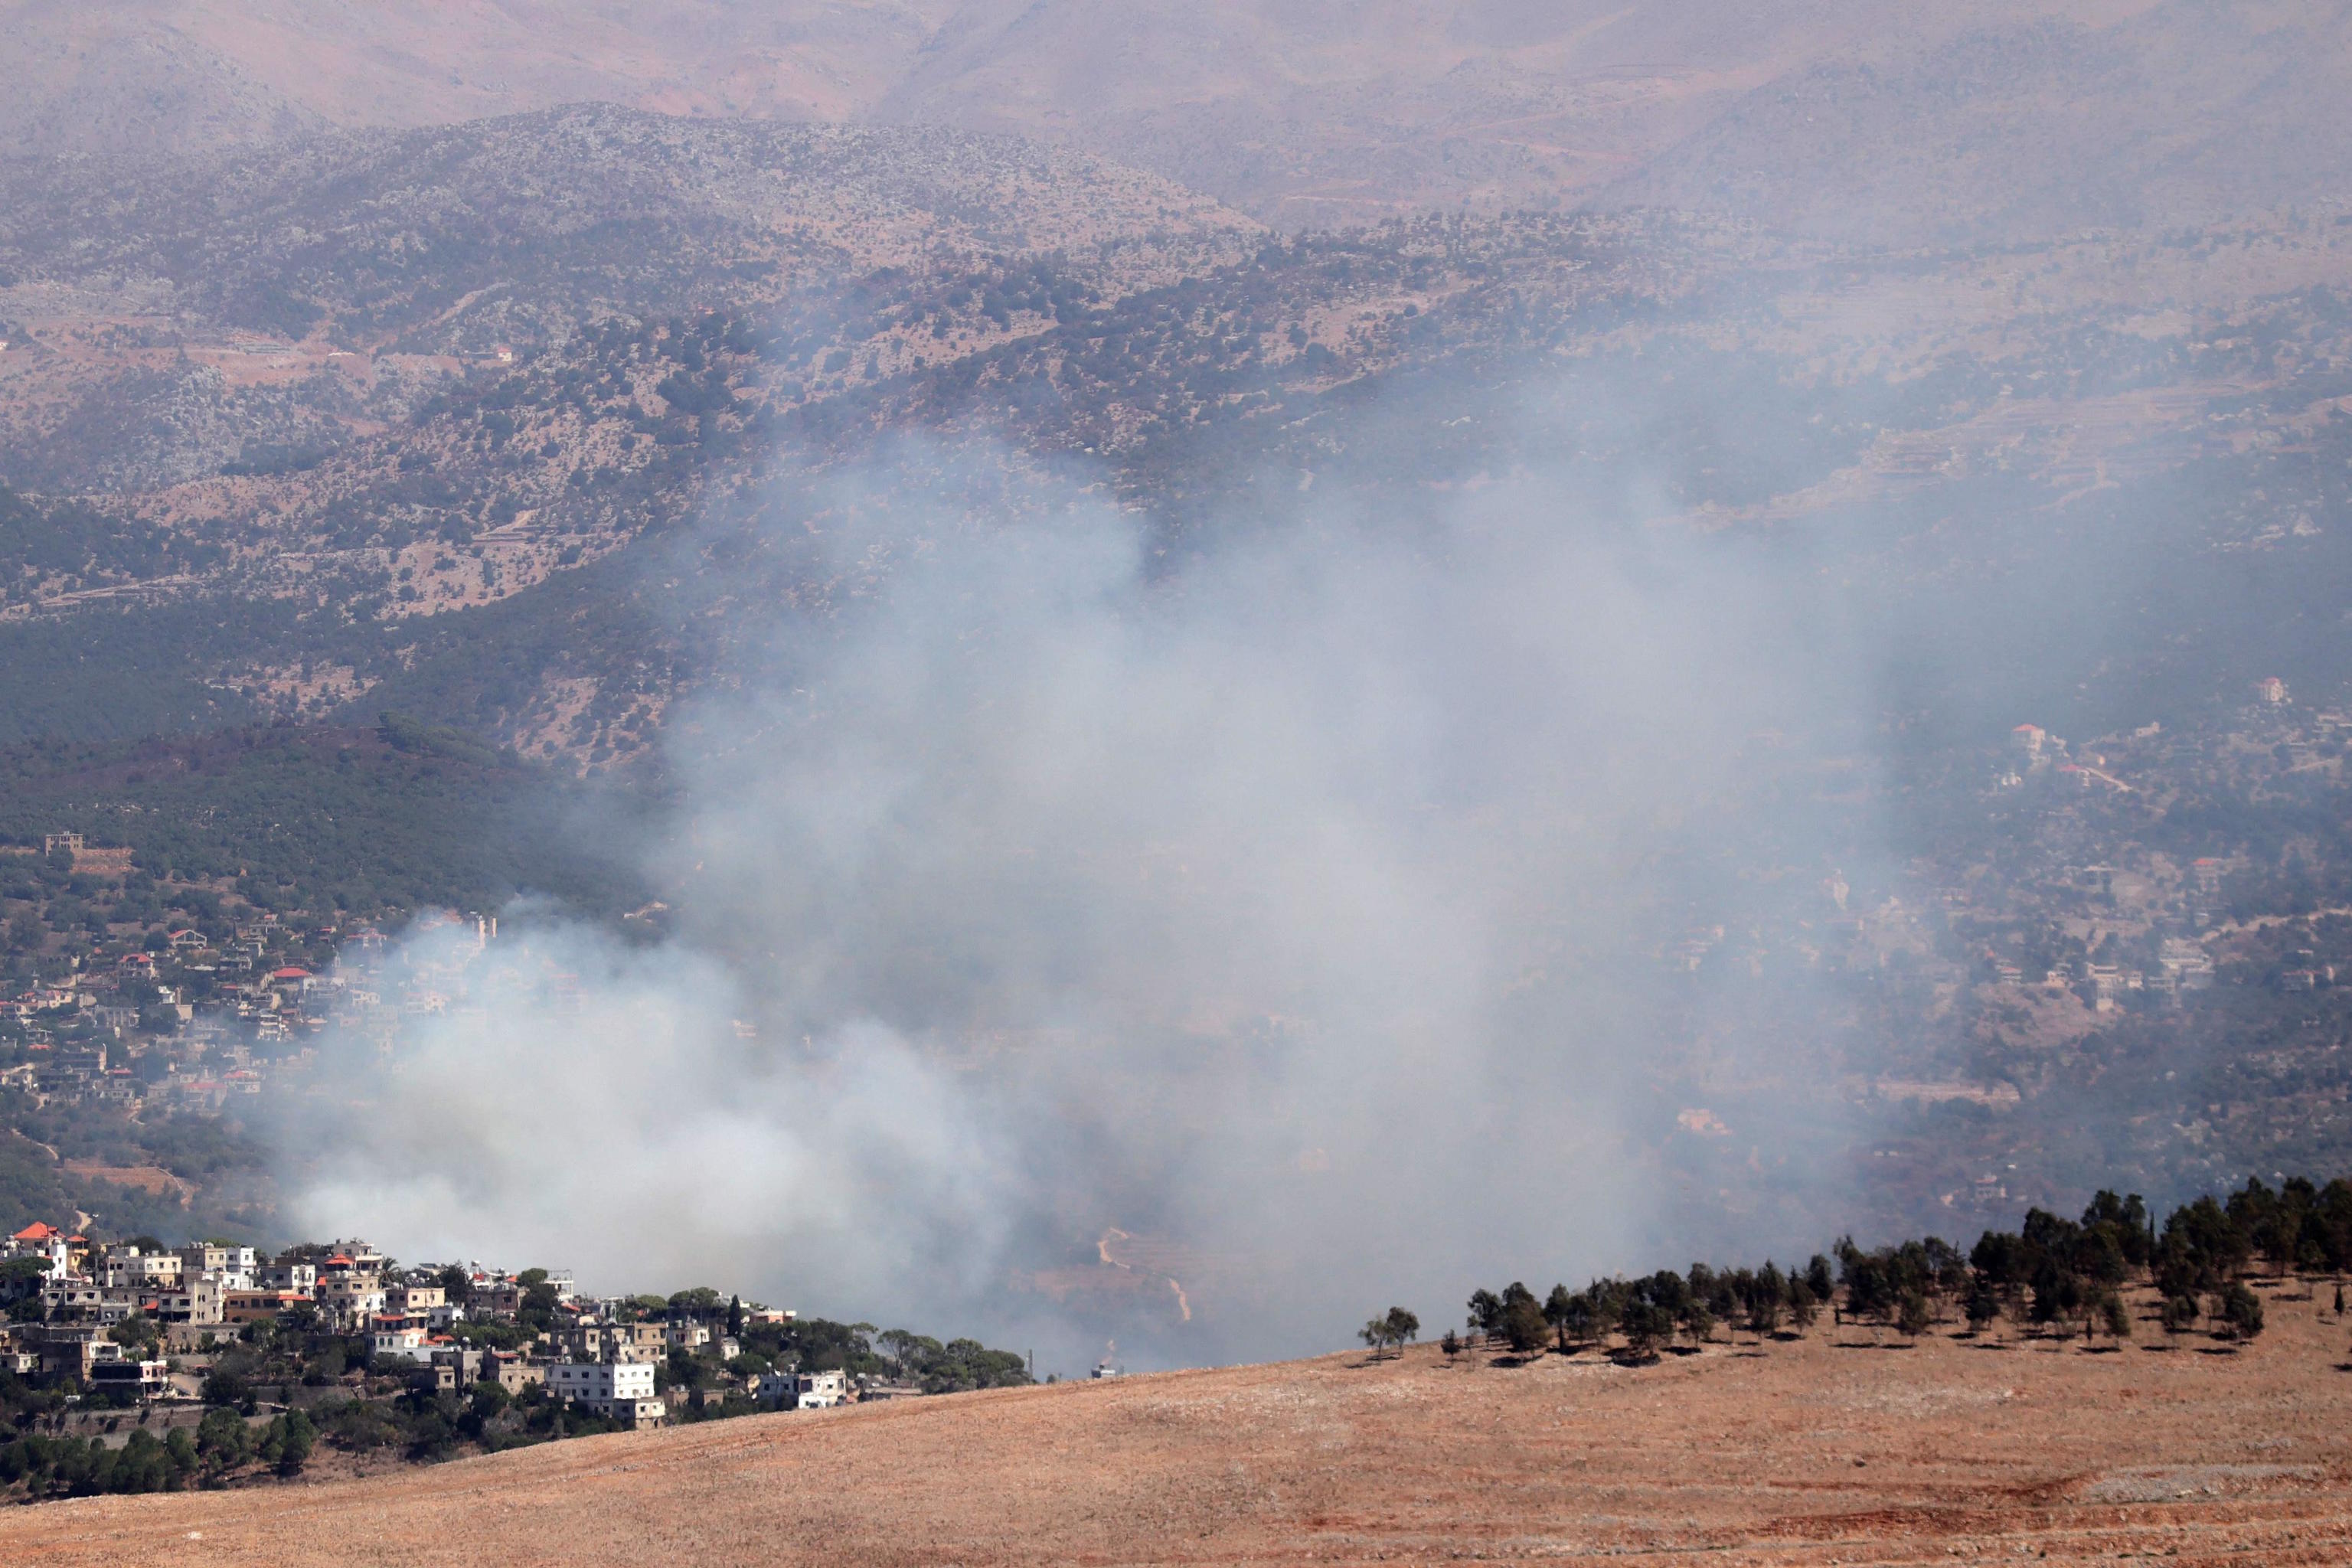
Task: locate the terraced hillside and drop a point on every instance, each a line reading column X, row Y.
column 1836, row 1450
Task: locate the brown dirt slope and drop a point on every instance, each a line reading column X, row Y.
column 1826, row 1451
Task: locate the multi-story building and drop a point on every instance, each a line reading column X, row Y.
column 398, row 1337
column 235, row 1266
column 349, row 1301
column 200, row 1300
column 801, row 1390
column 47, row 1242
column 71, row 1297
column 584, row 1341
column 497, row 1299
column 144, row 1270
column 254, row 1306
column 290, row 1274
column 146, row 1379
column 459, row 1366
column 821, row 1390
column 514, row 1373
column 637, row 1342
column 414, row 1299
column 69, row 1349
column 621, row 1390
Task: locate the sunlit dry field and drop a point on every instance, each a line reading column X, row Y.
column 1829, row 1450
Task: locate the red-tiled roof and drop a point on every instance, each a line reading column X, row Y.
column 40, row 1230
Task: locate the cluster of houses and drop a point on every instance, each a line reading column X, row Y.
column 2183, row 965
column 191, row 1026
column 597, row 1354
column 208, row 1019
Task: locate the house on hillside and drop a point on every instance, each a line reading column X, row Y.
column 145, row 1381
column 800, row 1390
column 415, row 1299
column 399, row 1337
column 617, row 1390
column 512, row 1373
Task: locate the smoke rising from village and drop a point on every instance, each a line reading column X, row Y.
column 1295, row 905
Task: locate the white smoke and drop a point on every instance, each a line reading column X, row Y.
column 1297, row 910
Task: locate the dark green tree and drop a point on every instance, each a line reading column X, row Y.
column 1523, row 1328
column 1559, row 1310
column 2240, row 1311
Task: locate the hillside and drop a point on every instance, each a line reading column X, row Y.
column 387, row 239
column 2002, row 113
column 1834, row 1449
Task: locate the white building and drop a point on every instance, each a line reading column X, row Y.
column 52, row 1247
column 237, row 1263
column 350, row 1300
column 405, row 1341
column 202, row 1298
column 801, row 1390
column 141, row 1271
column 622, row 1389
column 291, row 1274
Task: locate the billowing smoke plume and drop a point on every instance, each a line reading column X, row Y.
column 1076, row 944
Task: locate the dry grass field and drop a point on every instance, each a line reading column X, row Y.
column 1828, row 1451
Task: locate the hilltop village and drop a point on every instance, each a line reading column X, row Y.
column 245, row 1361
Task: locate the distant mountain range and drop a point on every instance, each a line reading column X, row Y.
column 1988, row 118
